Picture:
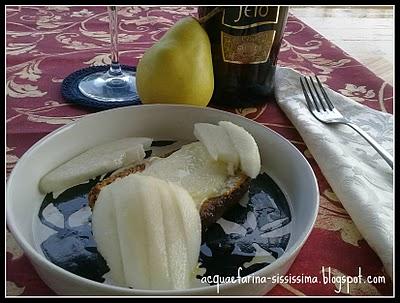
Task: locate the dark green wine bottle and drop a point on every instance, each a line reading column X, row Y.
column 245, row 42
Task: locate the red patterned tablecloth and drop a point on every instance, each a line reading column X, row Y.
column 45, row 44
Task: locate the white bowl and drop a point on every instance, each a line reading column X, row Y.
column 283, row 162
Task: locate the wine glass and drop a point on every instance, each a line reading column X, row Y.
column 117, row 84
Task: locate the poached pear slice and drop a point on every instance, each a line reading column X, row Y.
column 218, row 144
column 106, row 236
column 193, row 168
column 96, row 161
column 158, row 228
column 177, row 249
column 246, row 147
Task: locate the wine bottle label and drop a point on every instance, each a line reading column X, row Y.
column 242, row 17
column 253, row 33
column 250, row 49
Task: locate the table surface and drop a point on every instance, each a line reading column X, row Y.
column 46, row 44
column 354, row 29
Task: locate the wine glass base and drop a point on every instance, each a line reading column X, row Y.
column 102, row 86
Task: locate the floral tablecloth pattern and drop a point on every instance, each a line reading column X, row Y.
column 47, row 43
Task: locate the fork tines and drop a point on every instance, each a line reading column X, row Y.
column 319, row 99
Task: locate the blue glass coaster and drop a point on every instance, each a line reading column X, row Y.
column 71, row 93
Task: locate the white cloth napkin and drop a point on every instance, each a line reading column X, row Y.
column 357, row 174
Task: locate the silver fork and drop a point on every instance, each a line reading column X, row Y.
column 323, row 109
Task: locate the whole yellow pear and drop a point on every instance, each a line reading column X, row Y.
column 178, row 68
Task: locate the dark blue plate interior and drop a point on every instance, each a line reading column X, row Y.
column 250, row 236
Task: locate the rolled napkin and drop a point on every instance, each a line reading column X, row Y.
column 357, row 174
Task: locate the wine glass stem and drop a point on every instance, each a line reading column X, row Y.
column 115, row 68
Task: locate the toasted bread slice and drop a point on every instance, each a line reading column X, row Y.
column 95, row 191
column 224, row 190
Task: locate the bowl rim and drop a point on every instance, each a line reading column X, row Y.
column 32, row 253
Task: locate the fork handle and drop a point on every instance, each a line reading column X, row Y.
column 385, row 155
